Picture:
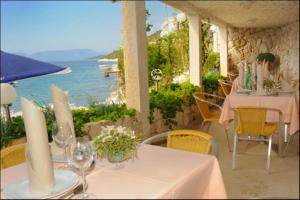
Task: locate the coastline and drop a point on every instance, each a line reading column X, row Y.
column 113, row 98
column 107, row 60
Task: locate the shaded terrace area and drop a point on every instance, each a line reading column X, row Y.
column 246, row 28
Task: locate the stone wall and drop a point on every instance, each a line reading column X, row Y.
column 244, row 44
column 92, row 129
column 189, row 114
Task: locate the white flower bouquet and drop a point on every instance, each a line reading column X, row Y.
column 116, row 143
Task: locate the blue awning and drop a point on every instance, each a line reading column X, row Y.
column 15, row 67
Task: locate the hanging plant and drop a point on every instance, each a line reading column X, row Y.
column 265, row 56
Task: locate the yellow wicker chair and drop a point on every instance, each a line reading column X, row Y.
column 12, row 155
column 226, row 87
column 207, row 115
column 231, row 76
column 187, row 140
column 295, row 83
column 251, row 121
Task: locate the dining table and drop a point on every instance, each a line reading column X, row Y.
column 157, row 173
column 286, row 102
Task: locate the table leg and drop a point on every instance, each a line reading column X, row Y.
column 286, row 132
column 281, row 135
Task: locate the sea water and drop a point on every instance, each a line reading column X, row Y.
column 86, row 81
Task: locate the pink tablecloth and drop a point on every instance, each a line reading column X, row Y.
column 158, row 172
column 234, row 86
column 286, row 103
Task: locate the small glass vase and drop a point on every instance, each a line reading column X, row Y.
column 117, row 158
column 268, row 90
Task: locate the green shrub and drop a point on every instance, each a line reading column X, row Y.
column 210, row 82
column 183, row 90
column 212, row 62
column 156, row 60
column 170, row 99
column 15, row 128
column 168, row 103
column 11, row 130
column 50, row 118
column 98, row 112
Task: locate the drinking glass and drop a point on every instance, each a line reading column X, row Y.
column 81, row 157
column 63, row 137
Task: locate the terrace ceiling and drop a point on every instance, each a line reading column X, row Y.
column 244, row 14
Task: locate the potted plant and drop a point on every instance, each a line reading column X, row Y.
column 268, row 85
column 116, row 144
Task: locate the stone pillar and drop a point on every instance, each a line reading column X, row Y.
column 135, row 59
column 223, row 50
column 195, row 47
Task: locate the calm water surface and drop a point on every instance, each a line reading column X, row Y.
column 85, row 81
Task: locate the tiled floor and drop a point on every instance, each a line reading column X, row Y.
column 249, row 179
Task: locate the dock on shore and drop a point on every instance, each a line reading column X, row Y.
column 109, row 70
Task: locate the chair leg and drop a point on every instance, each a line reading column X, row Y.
column 269, row 154
column 228, row 143
column 289, row 142
column 286, row 126
column 202, row 124
column 208, row 127
column 234, row 150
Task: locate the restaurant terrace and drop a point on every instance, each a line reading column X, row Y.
column 240, row 143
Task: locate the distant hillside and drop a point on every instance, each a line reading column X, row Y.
column 64, row 55
column 153, row 37
column 111, row 55
column 115, row 54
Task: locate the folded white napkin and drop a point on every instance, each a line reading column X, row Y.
column 38, row 158
column 61, row 107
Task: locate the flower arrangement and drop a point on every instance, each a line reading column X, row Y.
column 116, row 143
column 267, row 83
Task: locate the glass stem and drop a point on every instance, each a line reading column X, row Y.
column 68, row 153
column 66, row 156
column 83, row 182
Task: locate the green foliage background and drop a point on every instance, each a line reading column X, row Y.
column 170, row 99
column 170, row 54
column 15, row 128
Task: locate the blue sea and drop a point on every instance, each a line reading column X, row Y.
column 85, row 81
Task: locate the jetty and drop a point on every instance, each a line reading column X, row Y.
column 109, row 70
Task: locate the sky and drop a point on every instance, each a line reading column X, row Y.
column 33, row 26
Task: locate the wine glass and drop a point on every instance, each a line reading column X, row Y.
column 63, row 137
column 81, row 157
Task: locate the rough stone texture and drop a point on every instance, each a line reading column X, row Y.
column 92, row 129
column 247, row 43
column 189, row 114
